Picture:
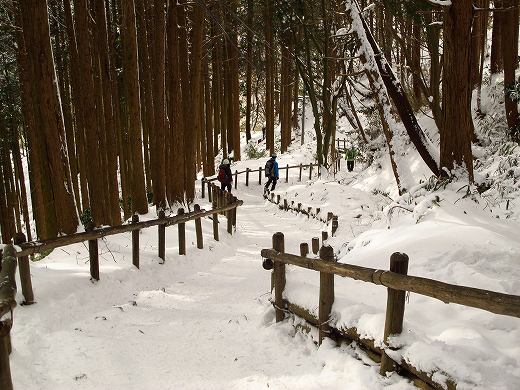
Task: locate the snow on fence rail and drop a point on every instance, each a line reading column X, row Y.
column 223, row 203
column 398, row 283
column 306, row 210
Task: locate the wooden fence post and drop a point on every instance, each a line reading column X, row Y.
column 310, row 171
column 182, row 234
column 304, row 249
column 203, row 187
column 326, row 294
column 161, row 230
column 335, row 225
column 317, row 212
column 247, row 177
column 324, row 236
column 235, row 200
column 6, row 382
column 198, row 229
column 287, row 174
column 279, row 276
column 210, row 192
column 260, row 175
column 94, row 258
column 315, row 245
column 229, row 215
column 135, row 243
column 277, row 199
column 214, row 195
column 93, row 254
column 329, row 217
column 24, row 270
column 309, row 209
column 8, row 280
column 394, row 309
column 215, row 226
column 300, row 177
column 236, row 179
column 285, row 205
column 299, row 209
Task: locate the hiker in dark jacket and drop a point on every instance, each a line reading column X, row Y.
column 350, row 155
column 225, row 177
column 271, row 172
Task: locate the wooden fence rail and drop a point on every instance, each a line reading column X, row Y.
column 226, row 205
column 92, row 235
column 316, row 213
column 397, row 282
column 207, row 180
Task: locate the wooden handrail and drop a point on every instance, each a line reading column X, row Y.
column 491, row 301
column 30, row 248
column 210, row 179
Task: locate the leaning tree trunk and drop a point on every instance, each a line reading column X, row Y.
column 401, row 102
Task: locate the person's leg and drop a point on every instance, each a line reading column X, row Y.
column 350, row 165
column 222, row 186
column 228, row 186
column 267, row 184
column 274, row 184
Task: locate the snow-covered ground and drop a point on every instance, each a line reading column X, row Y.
column 201, row 321
column 204, row 321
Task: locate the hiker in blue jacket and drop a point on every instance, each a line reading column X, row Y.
column 271, row 171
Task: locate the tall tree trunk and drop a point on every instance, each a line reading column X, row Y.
column 159, row 175
column 107, row 132
column 510, row 60
column 175, row 106
column 456, row 131
column 269, row 77
column 48, row 132
column 87, row 100
column 144, row 38
column 249, row 67
column 496, row 61
column 133, row 118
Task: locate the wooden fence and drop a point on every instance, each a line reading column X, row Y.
column 398, row 283
column 260, row 170
column 315, row 213
column 223, row 204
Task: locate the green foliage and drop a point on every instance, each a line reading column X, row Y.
column 253, row 152
column 436, row 183
column 86, row 217
column 377, row 191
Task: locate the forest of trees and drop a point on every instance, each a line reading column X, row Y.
column 111, row 106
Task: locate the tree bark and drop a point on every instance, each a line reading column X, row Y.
column 456, row 131
column 133, row 110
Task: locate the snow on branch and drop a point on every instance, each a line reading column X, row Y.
column 442, row 3
column 398, row 141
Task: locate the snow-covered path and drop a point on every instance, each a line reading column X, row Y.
column 202, row 321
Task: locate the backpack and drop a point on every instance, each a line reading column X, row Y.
column 221, row 175
column 269, row 168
